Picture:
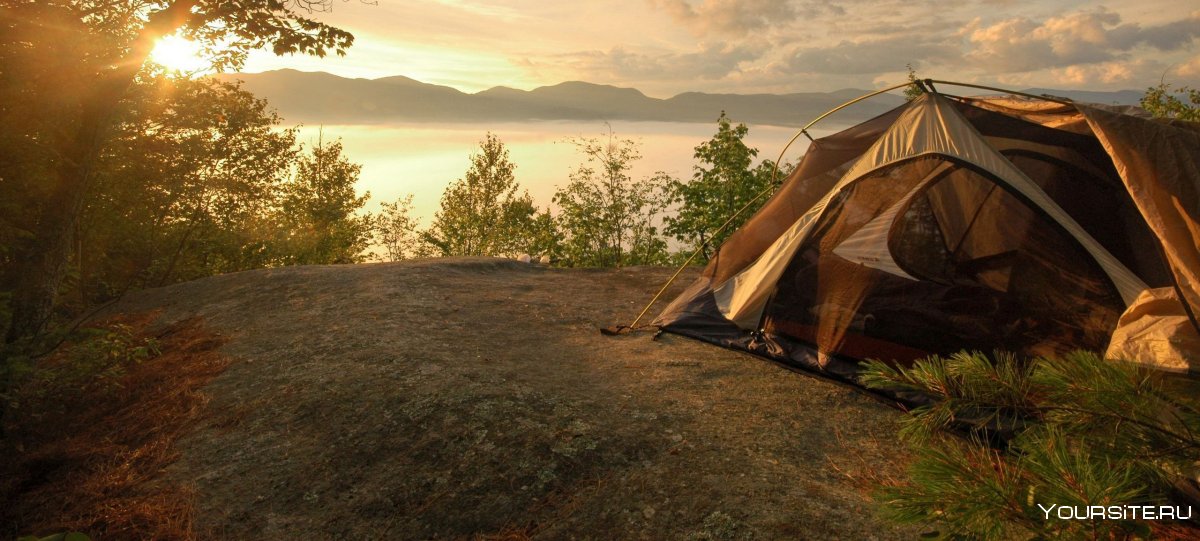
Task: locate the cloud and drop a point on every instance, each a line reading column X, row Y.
column 669, row 46
column 1188, row 69
column 781, row 46
column 711, row 61
column 741, row 17
column 1107, row 73
column 874, row 56
column 1171, row 36
column 1022, row 44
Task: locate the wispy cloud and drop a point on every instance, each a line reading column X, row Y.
column 875, row 55
column 733, row 17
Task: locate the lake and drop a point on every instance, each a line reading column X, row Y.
column 423, row 159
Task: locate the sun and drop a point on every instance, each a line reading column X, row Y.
column 179, row 54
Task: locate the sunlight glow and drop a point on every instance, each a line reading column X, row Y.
column 179, row 54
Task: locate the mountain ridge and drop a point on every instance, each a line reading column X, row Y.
column 331, row 99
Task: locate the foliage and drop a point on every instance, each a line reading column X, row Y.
column 186, row 189
column 725, row 182
column 319, row 210
column 70, row 66
column 1077, row 431
column 110, row 349
column 482, row 214
column 95, row 362
column 545, row 238
column 1182, row 104
column 396, row 230
column 608, row 219
column 197, row 179
column 912, row 91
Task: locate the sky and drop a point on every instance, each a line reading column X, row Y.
column 665, row 47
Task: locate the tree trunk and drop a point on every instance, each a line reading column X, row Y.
column 45, row 263
column 187, row 236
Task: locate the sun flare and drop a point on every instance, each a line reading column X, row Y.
column 179, row 54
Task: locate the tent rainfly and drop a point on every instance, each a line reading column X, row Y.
column 1033, row 226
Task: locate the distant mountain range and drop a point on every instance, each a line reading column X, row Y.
column 322, row 98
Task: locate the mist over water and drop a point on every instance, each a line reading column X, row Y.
column 423, row 159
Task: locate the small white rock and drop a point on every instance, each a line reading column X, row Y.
column 545, row 260
column 524, row 258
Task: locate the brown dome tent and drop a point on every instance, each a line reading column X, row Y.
column 1036, row 226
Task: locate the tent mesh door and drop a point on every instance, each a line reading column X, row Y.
column 961, row 263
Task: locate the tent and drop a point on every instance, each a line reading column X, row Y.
column 1036, row 226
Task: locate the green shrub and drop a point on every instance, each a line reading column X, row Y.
column 1072, row 431
column 1183, row 103
column 103, row 358
column 94, row 363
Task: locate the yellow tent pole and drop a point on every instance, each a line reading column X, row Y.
column 1063, row 101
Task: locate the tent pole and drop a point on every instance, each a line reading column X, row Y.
column 1062, row 101
column 700, row 248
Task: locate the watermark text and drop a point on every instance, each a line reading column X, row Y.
column 1117, row 512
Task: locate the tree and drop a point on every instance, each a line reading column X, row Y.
column 914, row 89
column 1074, row 432
column 482, row 214
column 1160, row 102
column 319, row 210
column 725, row 181
column 99, row 47
column 180, row 191
column 608, row 219
column 185, row 188
column 396, row 230
column 545, row 237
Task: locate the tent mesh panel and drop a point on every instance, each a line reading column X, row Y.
column 984, row 271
